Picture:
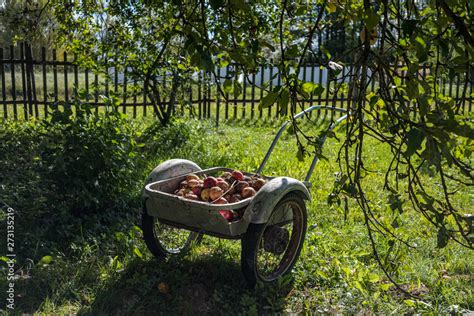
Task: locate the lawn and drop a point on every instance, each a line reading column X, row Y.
column 100, row 265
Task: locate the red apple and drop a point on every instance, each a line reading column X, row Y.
column 237, row 175
column 197, row 189
column 210, row 182
column 205, row 194
column 248, row 192
column 221, row 200
column 227, row 214
column 215, row 193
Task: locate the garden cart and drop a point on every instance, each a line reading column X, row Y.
column 272, row 227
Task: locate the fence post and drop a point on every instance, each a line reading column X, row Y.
column 227, row 95
column 262, row 78
column 4, row 95
column 76, row 77
column 124, row 105
column 145, row 92
column 199, row 94
column 66, row 85
column 55, row 75
column 23, row 81
column 12, row 73
column 271, row 88
column 45, row 82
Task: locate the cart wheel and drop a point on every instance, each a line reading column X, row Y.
column 270, row 250
column 163, row 240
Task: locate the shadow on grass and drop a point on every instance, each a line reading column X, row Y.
column 210, row 284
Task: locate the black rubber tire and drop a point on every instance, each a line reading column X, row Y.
column 251, row 240
column 153, row 243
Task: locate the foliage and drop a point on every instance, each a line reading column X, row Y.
column 29, row 21
column 139, row 38
column 71, row 161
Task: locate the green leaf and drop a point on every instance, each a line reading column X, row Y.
column 395, row 202
column 237, row 89
column 372, row 20
column 206, row 61
column 318, row 90
column 331, row 7
column 412, row 89
column 373, row 278
column 386, row 286
column 322, row 274
column 359, row 286
column 223, row 63
column 300, row 154
column 283, row 101
column 414, row 139
column 137, row 252
column 308, row 87
column 227, row 86
column 46, row 260
column 410, row 303
column 347, row 271
column 269, row 99
column 443, row 237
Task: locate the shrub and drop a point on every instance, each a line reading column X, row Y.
column 80, row 160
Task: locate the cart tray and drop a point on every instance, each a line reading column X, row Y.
column 193, row 215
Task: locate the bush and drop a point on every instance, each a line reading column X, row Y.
column 93, row 160
column 81, row 162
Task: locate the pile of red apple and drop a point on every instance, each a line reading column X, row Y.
column 230, row 187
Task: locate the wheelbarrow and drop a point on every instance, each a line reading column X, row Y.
column 272, row 227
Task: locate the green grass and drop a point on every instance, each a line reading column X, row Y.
column 97, row 270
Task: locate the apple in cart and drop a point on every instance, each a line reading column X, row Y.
column 210, row 182
column 237, row 175
column 192, row 183
column 240, row 186
column 192, row 176
column 191, row 196
column 227, row 214
column 235, row 198
column 223, row 185
column 257, row 184
column 215, row 193
column 205, row 194
column 197, row 189
column 221, row 200
column 248, row 192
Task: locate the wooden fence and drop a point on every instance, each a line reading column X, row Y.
column 30, row 85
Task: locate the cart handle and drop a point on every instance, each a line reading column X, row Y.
column 282, row 128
